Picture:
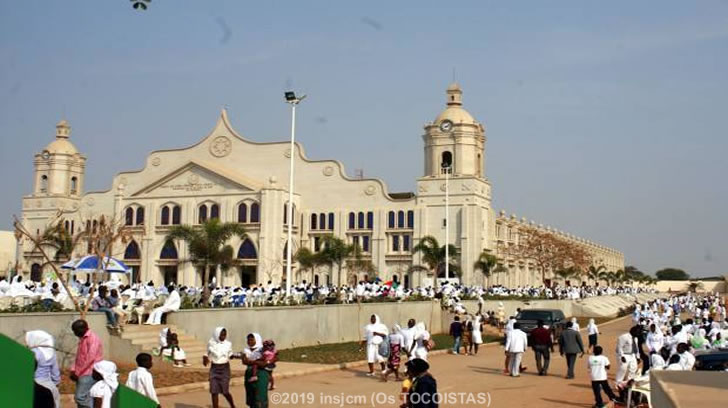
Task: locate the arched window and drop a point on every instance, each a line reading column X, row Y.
column 285, row 214
column 293, row 212
column 215, row 212
column 247, row 250
column 410, row 219
column 352, row 220
column 67, row 226
column 243, row 213
column 132, row 251
column 446, row 161
column 255, row 212
column 331, row 221
column 315, row 280
column 128, row 216
column 322, row 221
column 202, row 214
column 74, row 185
column 313, row 221
column 400, row 219
column 176, row 215
column 165, row 215
column 140, row 216
column 44, row 184
column 370, row 220
column 94, row 226
column 169, row 251
column 390, row 218
column 360, row 219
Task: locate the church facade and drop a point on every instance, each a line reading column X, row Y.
column 234, row 179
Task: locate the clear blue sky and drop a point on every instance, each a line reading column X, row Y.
column 604, row 119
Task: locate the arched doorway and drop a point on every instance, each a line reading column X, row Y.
column 36, row 273
column 168, row 262
column 248, row 256
column 132, row 257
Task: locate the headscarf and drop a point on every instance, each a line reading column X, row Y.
column 216, row 345
column 698, row 340
column 42, row 341
column 377, row 326
column 107, row 369
column 421, row 331
column 258, row 341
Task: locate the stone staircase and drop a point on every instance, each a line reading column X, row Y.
column 147, row 337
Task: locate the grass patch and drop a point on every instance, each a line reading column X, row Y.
column 347, row 352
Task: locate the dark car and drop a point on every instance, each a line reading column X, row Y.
column 712, row 360
column 553, row 319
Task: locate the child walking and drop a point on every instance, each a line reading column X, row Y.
column 598, row 366
column 140, row 380
column 219, row 354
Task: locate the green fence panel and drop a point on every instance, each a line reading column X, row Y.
column 125, row 397
column 16, row 374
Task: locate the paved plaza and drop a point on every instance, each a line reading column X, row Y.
column 454, row 374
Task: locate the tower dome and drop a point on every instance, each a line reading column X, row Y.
column 455, row 111
column 62, row 145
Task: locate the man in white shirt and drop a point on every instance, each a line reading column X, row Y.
column 627, row 356
column 598, row 365
column 687, row 359
column 140, row 380
column 516, row 343
column 172, row 304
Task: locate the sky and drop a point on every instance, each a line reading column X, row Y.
column 604, row 119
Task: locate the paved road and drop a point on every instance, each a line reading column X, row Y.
column 475, row 377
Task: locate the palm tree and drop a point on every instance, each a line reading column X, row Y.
column 208, row 246
column 620, row 276
column 595, row 273
column 357, row 263
column 567, row 273
column 488, row 264
column 307, row 260
column 610, row 277
column 335, row 251
column 433, row 255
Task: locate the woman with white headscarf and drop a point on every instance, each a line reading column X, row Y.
column 219, row 353
column 47, row 373
column 574, row 324
column 395, row 347
column 477, row 332
column 699, row 342
column 257, row 378
column 374, row 334
column 107, row 381
column 421, row 341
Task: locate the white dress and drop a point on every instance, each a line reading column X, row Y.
column 477, row 334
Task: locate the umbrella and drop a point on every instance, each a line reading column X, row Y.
column 90, row 264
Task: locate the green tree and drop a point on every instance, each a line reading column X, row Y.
column 567, row 273
column 208, row 247
column 335, row 252
column 595, row 273
column 694, row 286
column 433, row 255
column 358, row 263
column 488, row 264
column 672, row 274
column 307, row 259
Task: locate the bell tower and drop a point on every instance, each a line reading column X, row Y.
column 59, row 168
column 454, row 140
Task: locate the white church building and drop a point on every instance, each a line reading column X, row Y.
column 230, row 177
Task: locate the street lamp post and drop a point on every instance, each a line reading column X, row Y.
column 446, row 167
column 18, row 240
column 292, row 100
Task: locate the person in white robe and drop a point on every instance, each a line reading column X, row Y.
column 374, row 334
column 172, row 304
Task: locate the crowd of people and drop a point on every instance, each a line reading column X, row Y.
column 658, row 339
column 23, row 292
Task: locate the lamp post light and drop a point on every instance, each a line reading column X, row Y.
column 18, row 240
column 292, row 100
column 447, row 167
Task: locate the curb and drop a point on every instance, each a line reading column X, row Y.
column 199, row 386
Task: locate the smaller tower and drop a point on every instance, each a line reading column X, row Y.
column 59, row 168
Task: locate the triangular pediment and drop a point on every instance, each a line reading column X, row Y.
column 201, row 178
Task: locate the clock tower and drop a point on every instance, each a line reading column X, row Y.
column 455, row 166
